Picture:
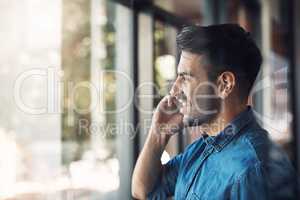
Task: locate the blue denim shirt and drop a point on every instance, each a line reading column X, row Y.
column 241, row 162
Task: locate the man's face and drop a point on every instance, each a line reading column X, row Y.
column 200, row 103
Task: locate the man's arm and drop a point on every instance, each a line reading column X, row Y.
column 148, row 168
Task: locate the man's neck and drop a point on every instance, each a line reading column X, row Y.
column 215, row 126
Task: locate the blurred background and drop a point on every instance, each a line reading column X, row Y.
column 80, row 79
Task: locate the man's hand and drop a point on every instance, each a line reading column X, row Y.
column 166, row 121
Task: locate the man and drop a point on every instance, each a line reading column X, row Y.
column 234, row 158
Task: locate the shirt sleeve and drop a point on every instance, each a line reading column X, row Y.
column 165, row 186
column 250, row 185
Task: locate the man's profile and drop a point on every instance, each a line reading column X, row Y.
column 233, row 160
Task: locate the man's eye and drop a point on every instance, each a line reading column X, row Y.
column 184, row 78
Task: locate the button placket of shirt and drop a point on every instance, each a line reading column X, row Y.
column 197, row 153
column 208, row 150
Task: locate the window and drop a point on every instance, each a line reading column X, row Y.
column 62, row 134
column 165, row 70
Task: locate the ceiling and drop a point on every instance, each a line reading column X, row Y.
column 189, row 9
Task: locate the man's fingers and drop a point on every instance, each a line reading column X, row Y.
column 171, row 128
column 169, row 100
column 169, row 105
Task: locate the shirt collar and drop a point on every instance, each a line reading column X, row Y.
column 233, row 128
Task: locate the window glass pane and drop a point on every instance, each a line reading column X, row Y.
column 89, row 145
column 58, row 134
column 165, row 68
column 30, row 120
column 277, row 106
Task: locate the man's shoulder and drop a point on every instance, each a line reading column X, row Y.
column 240, row 155
column 264, row 159
column 254, row 142
column 245, row 149
column 253, row 149
column 257, row 143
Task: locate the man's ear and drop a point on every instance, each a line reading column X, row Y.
column 226, row 83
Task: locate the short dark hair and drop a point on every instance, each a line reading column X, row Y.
column 227, row 47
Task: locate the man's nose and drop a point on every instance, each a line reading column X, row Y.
column 176, row 89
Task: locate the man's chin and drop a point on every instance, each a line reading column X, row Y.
column 197, row 120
